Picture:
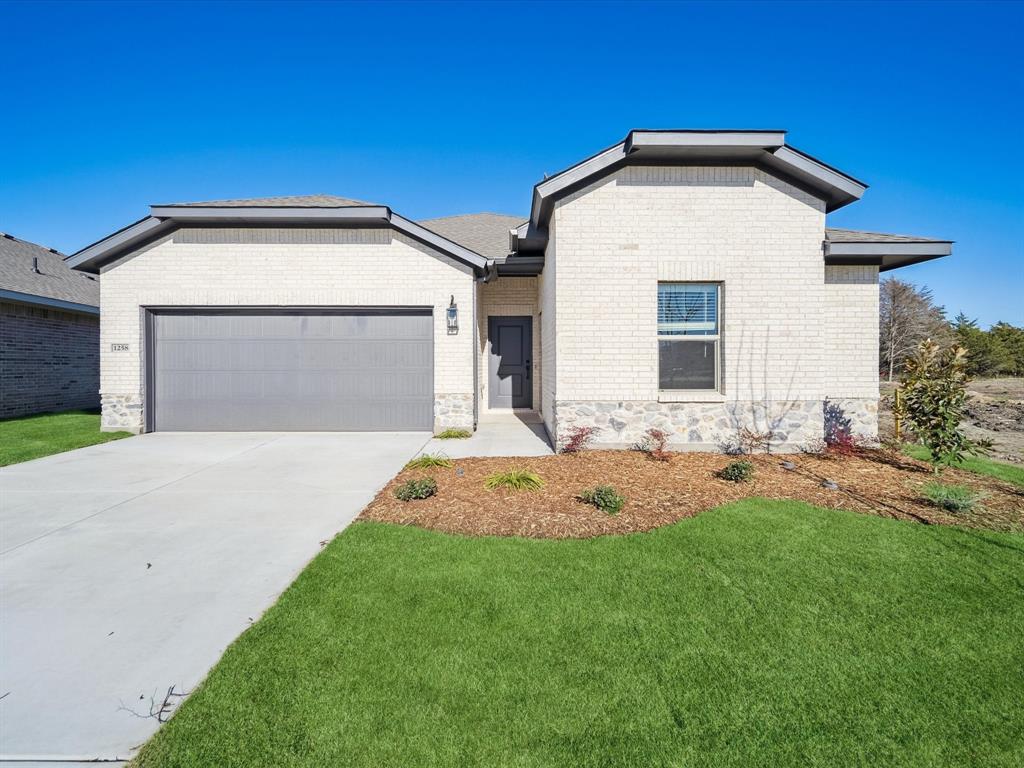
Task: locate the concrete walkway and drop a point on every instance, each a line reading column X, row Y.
column 499, row 434
column 127, row 568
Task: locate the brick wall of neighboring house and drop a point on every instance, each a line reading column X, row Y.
column 784, row 348
column 504, row 297
column 49, row 360
column 307, row 267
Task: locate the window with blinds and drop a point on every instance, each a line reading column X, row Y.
column 689, row 316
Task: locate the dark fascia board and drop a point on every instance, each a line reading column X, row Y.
column 766, row 149
column 18, row 297
column 92, row 257
column 520, row 266
column 526, row 237
column 884, row 255
column 165, row 219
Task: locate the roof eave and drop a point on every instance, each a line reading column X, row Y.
column 31, row 299
column 165, row 219
column 885, row 255
column 765, row 149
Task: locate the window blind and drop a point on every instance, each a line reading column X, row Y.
column 687, row 309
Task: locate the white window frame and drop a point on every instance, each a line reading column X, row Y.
column 716, row 338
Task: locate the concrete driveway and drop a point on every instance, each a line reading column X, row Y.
column 129, row 567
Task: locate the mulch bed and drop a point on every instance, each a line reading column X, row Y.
column 658, row 493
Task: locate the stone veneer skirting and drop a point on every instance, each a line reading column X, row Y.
column 121, row 413
column 713, row 426
column 453, row 411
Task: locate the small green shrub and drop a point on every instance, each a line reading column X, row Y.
column 454, row 434
column 737, row 471
column 420, row 488
column 514, row 479
column 429, row 461
column 604, row 497
column 952, row 498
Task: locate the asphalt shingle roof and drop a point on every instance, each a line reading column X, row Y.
column 293, row 201
column 484, row 233
column 55, row 280
column 858, row 236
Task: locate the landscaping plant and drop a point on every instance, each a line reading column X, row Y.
column 654, row 443
column 579, row 438
column 751, row 440
column 454, row 434
column 420, row 488
column 737, row 471
column 604, row 497
column 934, row 393
column 514, row 479
column 429, row 461
column 952, row 498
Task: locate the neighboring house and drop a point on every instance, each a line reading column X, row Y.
column 683, row 280
column 49, row 332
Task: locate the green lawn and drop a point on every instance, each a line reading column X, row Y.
column 758, row 634
column 34, row 436
column 1010, row 473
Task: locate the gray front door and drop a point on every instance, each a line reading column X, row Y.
column 300, row 370
column 510, row 341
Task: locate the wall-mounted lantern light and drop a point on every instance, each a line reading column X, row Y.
column 453, row 317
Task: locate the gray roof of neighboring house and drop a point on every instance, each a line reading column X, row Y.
column 55, row 284
column 485, row 233
column 859, row 236
column 292, row 201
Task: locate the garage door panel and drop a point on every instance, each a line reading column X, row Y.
column 293, row 371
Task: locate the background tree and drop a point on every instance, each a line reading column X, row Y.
column 907, row 316
column 996, row 352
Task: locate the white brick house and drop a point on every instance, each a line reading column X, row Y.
column 684, row 280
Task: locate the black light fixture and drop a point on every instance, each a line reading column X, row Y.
column 453, row 317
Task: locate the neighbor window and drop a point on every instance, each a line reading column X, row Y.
column 688, row 335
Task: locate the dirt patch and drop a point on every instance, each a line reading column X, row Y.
column 995, row 413
column 658, row 493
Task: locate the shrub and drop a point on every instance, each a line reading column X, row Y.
column 604, row 497
column 579, row 438
column 420, row 488
column 429, row 461
column 737, row 471
column 514, row 479
column 454, row 434
column 952, row 498
column 653, row 444
column 751, row 440
column 933, row 389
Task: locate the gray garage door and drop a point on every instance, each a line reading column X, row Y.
column 293, row 370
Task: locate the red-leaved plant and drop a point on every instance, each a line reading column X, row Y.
column 578, row 439
column 654, row 443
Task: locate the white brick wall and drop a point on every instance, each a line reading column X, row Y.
column 851, row 331
column 504, row 297
column 757, row 235
column 373, row 267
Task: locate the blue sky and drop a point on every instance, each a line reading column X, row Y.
column 439, row 109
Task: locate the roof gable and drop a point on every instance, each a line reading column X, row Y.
column 307, row 211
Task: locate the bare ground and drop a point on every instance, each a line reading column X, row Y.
column 995, row 413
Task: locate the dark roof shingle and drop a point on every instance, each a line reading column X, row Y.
column 484, row 233
column 55, row 280
column 293, row 201
column 859, row 236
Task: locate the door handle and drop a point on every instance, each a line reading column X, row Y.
column 527, row 369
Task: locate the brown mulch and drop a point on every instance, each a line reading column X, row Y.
column 658, row 493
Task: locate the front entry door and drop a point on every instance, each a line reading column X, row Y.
column 510, row 343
